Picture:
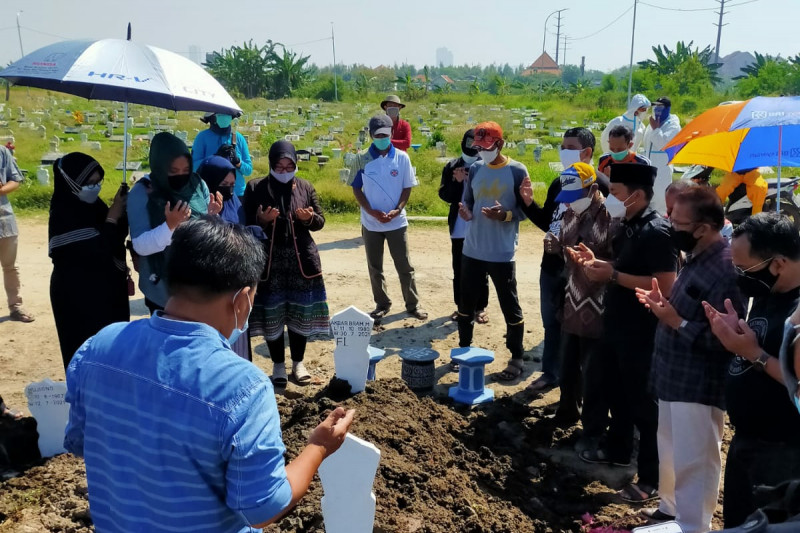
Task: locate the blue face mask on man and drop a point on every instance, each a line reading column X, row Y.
column 237, row 331
column 661, row 112
column 223, row 121
column 382, row 143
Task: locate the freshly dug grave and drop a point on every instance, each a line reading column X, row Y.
column 443, row 468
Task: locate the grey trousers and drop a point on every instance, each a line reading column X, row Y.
column 398, row 248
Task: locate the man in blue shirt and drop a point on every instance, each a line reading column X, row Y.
column 178, row 433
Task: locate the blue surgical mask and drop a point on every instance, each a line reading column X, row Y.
column 382, row 143
column 237, row 332
column 283, row 177
column 223, row 121
column 89, row 193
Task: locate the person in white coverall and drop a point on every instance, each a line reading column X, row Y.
column 663, row 127
column 634, row 118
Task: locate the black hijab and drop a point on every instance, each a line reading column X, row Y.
column 72, row 220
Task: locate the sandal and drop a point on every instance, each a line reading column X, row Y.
column 8, row 413
column 454, row 366
column 300, row 373
column 21, row 316
column 419, row 313
column 600, row 457
column 541, row 384
column 512, row 371
column 380, row 312
column 279, row 378
column 454, row 316
column 482, row 317
column 635, row 493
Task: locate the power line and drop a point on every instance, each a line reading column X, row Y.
column 695, row 9
column 604, row 27
column 45, row 33
column 311, row 42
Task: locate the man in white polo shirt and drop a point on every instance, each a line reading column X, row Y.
column 382, row 189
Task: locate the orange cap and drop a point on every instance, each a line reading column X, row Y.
column 487, row 134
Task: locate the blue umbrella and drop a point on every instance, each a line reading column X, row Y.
column 122, row 71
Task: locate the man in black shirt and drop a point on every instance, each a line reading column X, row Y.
column 643, row 250
column 765, row 449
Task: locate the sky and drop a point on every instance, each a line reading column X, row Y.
column 409, row 31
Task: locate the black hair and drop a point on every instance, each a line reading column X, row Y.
column 621, row 131
column 209, row 257
column 585, row 137
column 648, row 190
column 705, row 205
column 770, row 234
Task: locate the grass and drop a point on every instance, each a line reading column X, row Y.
column 337, row 198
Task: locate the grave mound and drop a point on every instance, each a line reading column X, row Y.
column 443, row 468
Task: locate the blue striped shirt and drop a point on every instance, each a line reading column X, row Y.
column 178, row 433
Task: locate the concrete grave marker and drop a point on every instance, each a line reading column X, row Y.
column 351, row 331
column 348, row 505
column 46, row 404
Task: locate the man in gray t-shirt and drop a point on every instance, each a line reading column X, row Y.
column 10, row 178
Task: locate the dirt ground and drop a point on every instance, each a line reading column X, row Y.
column 440, row 471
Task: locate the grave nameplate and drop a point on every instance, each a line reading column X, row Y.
column 46, row 404
column 351, row 331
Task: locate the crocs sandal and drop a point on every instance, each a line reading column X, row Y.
column 635, row 493
column 511, row 372
column 279, row 378
column 301, row 375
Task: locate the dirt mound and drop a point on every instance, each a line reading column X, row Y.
column 443, row 468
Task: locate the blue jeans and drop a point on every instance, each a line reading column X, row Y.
column 551, row 296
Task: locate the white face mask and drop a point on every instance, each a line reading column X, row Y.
column 581, row 205
column 89, row 193
column 283, row 177
column 488, row 155
column 393, row 111
column 615, row 208
column 569, row 157
column 468, row 159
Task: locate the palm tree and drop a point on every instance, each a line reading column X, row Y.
column 289, row 71
column 752, row 70
column 668, row 61
column 475, row 87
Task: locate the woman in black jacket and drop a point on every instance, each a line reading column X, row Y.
column 451, row 190
column 291, row 293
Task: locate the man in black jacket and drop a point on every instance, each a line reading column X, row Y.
column 451, row 190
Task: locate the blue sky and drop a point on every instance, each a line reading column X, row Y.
column 374, row 33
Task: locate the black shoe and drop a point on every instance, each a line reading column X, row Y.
column 655, row 514
column 380, row 312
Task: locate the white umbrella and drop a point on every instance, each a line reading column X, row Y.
column 122, row 71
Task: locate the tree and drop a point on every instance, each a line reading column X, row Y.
column 498, row 85
column 570, row 74
column 243, row 69
column 753, row 69
column 289, row 72
column 667, row 61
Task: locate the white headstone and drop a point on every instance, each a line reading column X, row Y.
column 351, row 331
column 46, row 404
column 348, row 505
column 43, row 175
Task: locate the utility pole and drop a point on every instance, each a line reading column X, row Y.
column 558, row 35
column 335, row 86
column 544, row 36
column 719, row 26
column 630, row 67
column 19, row 34
column 565, row 50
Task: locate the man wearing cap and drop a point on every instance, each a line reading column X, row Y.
column 642, row 250
column 690, row 364
column 220, row 139
column 493, row 204
column 586, row 221
column 663, row 127
column 401, row 129
column 382, row 190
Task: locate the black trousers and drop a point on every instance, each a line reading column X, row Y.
column 627, row 369
column 582, row 394
column 754, row 462
column 457, row 246
column 473, row 274
column 297, row 348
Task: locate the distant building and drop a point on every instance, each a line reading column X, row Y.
column 442, row 80
column 194, row 53
column 444, row 57
column 544, row 64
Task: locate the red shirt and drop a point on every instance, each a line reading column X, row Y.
column 401, row 135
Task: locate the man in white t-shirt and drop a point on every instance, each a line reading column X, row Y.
column 382, row 190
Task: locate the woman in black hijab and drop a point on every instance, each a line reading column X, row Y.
column 89, row 284
column 291, row 293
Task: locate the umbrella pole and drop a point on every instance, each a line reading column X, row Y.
column 125, row 147
column 780, row 150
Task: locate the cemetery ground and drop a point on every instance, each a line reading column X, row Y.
column 500, row 467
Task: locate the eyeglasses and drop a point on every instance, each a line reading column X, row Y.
column 283, row 169
column 743, row 271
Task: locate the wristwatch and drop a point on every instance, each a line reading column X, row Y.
column 614, row 277
column 760, row 364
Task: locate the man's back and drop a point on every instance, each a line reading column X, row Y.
column 178, row 433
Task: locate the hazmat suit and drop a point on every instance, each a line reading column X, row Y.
column 653, row 144
column 630, row 119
